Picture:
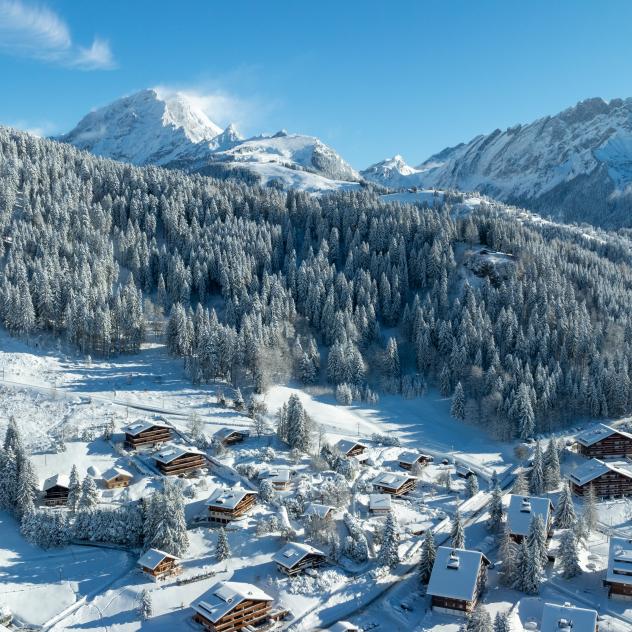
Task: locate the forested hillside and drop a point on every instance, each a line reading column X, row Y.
column 340, row 287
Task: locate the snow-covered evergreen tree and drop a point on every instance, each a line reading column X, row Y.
column 458, row 402
column 552, row 476
column 428, row 556
column 528, row 570
column 145, row 606
column 501, row 622
column 589, row 513
column 222, row 548
column 471, row 485
column 389, row 551
column 508, row 555
column 89, row 498
column 479, row 620
column 457, row 533
column 569, row 556
column 520, row 486
column 536, row 478
column 165, row 525
column 496, row 510
column 537, row 540
column 565, row 516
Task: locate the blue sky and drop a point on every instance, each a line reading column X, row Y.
column 370, row 78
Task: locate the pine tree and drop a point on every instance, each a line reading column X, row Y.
column 536, row 478
column 8, row 479
column 389, row 551
column 528, row 570
column 74, row 490
column 89, row 498
column 536, row 540
column 145, row 606
column 569, row 556
column 26, row 488
column 521, row 485
column 565, row 516
column 479, row 620
column 457, row 534
column 552, row 476
column 458, row 402
column 589, row 513
column 472, row 485
column 496, row 509
column 222, row 548
column 165, row 526
column 501, row 622
column 428, row 556
column 509, row 557
column 523, row 413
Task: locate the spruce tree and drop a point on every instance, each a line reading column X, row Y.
column 458, row 403
column 222, row 548
column 508, row 554
column 501, row 622
column 565, row 516
column 26, row 488
column 471, row 485
column 428, row 556
column 520, row 486
column 536, row 478
column 552, row 476
column 457, row 534
column 389, row 551
column 496, row 511
column 479, row 620
column 569, row 556
column 89, row 498
column 589, row 513
column 145, row 606
column 537, row 540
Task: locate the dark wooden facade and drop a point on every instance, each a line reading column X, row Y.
column 223, row 515
column 619, row 589
column 56, row 496
column 150, row 436
column 610, row 484
column 404, row 488
column 461, row 606
column 422, row 459
column 249, row 612
column 616, row 445
column 311, row 560
column 168, row 567
column 183, row 464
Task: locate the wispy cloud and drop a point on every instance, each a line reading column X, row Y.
column 40, row 129
column 36, row 32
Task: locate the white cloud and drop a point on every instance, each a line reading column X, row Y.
column 37, row 32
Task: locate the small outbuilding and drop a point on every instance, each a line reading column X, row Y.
column 145, row 433
column 316, row 510
column 379, row 503
column 116, row 477
column 407, row 460
column 56, row 490
column 568, row 618
column 229, row 436
column 457, row 580
column 351, row 448
column 176, row 461
column 619, row 574
column 279, row 477
column 394, row 484
column 295, row 557
column 521, row 511
column 159, row 564
column 226, row 505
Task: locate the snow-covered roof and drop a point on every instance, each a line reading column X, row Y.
column 412, row 457
column 522, row 509
column 346, row 445
column 140, row 425
column 113, row 472
column 567, row 618
column 226, row 596
column 597, row 433
column 620, row 561
column 172, row 452
column 150, row 559
column 455, row 573
column 228, row 498
column 224, row 433
column 391, row 480
column 293, row 552
column 314, row 509
column 58, row 479
column 379, row 502
column 343, row 626
column 276, row 475
column 594, row 468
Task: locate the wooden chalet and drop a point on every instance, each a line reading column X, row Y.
column 234, row 606
column 463, row 471
column 56, row 490
column 144, row 433
column 159, row 564
column 226, row 505
column 295, row 557
column 316, row 510
column 521, row 511
column 379, row 503
column 394, row 484
column 604, row 441
column 279, row 477
column 228, row 436
column 567, row 618
column 175, row 461
column 619, row 574
column 116, row 477
column 609, row 479
column 457, row 580
column 351, row 448
column 409, row 459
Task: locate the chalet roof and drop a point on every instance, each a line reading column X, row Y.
column 411, row 458
column 463, row 470
column 228, row 498
column 113, row 472
column 276, row 474
column 150, row 559
column 567, row 618
column 314, row 509
column 522, row 509
column 391, row 480
column 60, row 480
column 597, row 433
column 620, row 561
column 379, row 502
column 226, row 596
column 594, row 468
column 141, row 425
column 173, row 452
column 346, row 445
column 455, row 572
column 293, row 553
column 224, row 433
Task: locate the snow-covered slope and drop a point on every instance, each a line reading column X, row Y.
column 166, row 129
column 576, row 165
column 393, row 173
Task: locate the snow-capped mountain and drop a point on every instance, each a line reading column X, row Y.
column 166, row 129
column 393, row 173
column 576, row 165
